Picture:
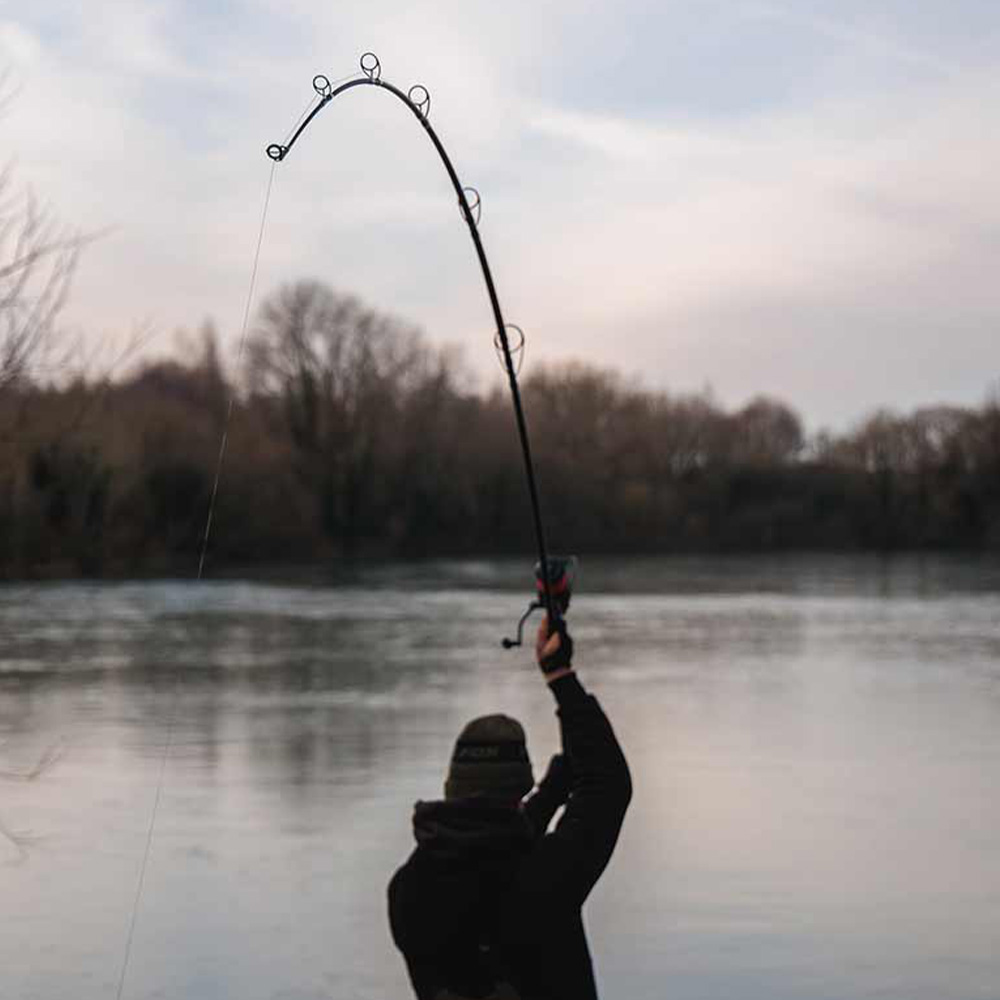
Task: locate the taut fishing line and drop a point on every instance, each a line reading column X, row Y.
column 553, row 575
column 168, row 742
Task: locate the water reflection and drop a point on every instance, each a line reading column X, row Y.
column 814, row 743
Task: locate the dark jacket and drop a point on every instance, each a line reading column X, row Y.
column 488, row 897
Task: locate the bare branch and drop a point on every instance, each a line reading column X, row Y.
column 38, row 258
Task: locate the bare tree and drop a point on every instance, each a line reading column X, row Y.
column 37, row 259
column 341, row 372
column 767, row 432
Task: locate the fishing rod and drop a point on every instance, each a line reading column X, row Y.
column 553, row 575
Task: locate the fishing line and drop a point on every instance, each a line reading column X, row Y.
column 223, row 443
column 172, row 714
column 149, row 843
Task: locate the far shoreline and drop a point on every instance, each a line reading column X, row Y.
column 681, row 572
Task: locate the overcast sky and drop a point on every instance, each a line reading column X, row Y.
column 791, row 197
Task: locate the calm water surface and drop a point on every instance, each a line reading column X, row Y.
column 815, row 747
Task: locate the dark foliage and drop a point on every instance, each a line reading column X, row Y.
column 350, row 435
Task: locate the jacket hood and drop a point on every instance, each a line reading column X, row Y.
column 479, row 830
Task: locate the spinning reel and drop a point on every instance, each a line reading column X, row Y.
column 561, row 574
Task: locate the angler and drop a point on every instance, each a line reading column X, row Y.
column 489, row 903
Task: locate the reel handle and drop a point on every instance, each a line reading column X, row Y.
column 519, row 641
column 561, row 572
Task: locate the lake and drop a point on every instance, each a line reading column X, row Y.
column 814, row 744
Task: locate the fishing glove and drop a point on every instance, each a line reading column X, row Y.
column 563, row 654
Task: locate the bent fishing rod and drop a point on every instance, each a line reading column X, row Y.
column 553, row 575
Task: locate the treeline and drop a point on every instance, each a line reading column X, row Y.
column 350, row 436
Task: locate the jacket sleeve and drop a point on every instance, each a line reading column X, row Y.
column 552, row 792
column 568, row 861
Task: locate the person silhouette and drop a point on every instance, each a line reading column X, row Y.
column 489, row 903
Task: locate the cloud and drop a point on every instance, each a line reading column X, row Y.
column 751, row 236
column 863, row 36
column 748, row 234
column 18, row 47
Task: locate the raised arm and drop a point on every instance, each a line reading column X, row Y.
column 600, row 786
column 552, row 792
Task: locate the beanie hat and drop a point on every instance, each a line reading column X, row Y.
column 490, row 759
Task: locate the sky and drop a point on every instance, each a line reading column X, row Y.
column 789, row 197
